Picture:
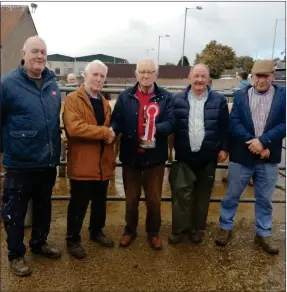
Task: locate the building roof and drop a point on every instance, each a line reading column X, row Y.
column 60, row 58
column 10, row 16
column 89, row 58
column 128, row 71
column 101, row 57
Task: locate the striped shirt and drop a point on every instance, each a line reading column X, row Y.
column 196, row 128
column 260, row 104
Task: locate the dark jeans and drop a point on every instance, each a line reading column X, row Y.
column 191, row 185
column 82, row 192
column 19, row 187
column 151, row 178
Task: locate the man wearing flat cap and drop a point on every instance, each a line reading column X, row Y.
column 257, row 128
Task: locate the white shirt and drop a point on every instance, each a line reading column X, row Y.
column 196, row 130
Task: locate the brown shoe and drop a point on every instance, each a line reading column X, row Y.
column 126, row 240
column 155, row 242
column 223, row 237
column 266, row 244
column 47, row 251
column 20, row 267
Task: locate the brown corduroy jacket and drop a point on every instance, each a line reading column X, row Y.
column 85, row 160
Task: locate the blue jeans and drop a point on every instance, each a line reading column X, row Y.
column 265, row 177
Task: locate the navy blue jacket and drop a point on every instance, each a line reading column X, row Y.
column 242, row 128
column 216, row 119
column 30, row 121
column 125, row 121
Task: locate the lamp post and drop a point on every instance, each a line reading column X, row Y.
column 161, row 36
column 184, row 29
column 274, row 38
column 149, row 50
column 34, row 7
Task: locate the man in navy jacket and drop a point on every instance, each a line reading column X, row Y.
column 200, row 141
column 143, row 167
column 30, row 138
column 258, row 126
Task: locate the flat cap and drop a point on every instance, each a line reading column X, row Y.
column 263, row 67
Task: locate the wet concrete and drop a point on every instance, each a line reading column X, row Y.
column 186, row 267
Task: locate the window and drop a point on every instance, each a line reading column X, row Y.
column 57, row 71
column 70, row 70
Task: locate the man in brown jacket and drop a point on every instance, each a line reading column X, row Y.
column 90, row 161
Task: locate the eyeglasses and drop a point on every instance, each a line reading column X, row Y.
column 149, row 73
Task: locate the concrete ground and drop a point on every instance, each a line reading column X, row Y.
column 241, row 266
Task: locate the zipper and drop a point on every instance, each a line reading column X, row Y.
column 46, row 84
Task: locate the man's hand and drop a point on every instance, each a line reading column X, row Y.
column 111, row 136
column 265, row 154
column 222, row 156
column 255, row 146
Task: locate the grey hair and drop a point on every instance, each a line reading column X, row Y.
column 148, row 60
column 98, row 62
column 201, row 64
column 31, row 38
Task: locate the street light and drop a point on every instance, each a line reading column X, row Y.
column 197, row 8
column 161, row 36
column 149, row 50
column 275, row 35
column 34, row 7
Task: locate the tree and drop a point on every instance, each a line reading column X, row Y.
column 169, row 64
column 277, row 60
column 217, row 57
column 245, row 63
column 185, row 61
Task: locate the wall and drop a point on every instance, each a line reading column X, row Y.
column 11, row 51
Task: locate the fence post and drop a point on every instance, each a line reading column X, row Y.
column 62, row 169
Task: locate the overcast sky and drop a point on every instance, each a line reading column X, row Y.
column 127, row 29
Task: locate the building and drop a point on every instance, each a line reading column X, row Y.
column 16, row 26
column 63, row 65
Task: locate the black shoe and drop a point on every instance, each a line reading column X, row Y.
column 195, row 236
column 175, row 238
column 266, row 244
column 47, row 251
column 76, row 250
column 102, row 239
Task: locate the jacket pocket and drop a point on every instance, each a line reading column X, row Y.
column 24, row 146
column 23, row 134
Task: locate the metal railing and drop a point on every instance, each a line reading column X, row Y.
column 227, row 93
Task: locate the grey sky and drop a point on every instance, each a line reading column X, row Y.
column 127, row 30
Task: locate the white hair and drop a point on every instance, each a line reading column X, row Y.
column 71, row 75
column 147, row 60
column 98, row 62
column 199, row 64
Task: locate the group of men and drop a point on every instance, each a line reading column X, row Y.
column 204, row 134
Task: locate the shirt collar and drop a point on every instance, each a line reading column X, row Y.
column 263, row 93
column 91, row 97
column 203, row 95
column 151, row 90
